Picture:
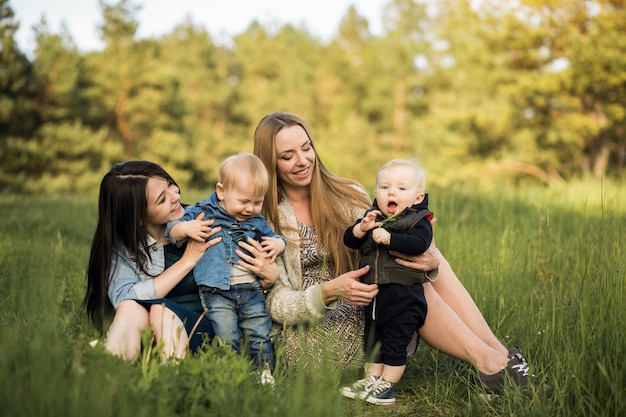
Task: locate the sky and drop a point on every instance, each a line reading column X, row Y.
column 221, row 18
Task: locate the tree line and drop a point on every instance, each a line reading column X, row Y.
column 526, row 90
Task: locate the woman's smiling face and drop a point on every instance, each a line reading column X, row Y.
column 163, row 201
column 295, row 157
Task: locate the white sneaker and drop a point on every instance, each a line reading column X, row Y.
column 381, row 393
column 359, row 387
column 267, row 377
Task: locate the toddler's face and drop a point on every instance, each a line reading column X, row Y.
column 396, row 190
column 239, row 202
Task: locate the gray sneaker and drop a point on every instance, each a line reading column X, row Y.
column 360, row 387
column 516, row 370
column 381, row 392
column 515, row 351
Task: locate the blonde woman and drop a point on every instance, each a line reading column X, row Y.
column 319, row 285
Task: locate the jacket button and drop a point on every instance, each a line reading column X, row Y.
column 155, row 247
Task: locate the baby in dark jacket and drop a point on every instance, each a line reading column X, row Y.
column 398, row 221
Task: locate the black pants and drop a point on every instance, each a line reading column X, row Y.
column 390, row 321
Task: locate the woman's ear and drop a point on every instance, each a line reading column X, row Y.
column 219, row 189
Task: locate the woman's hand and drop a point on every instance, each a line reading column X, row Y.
column 427, row 261
column 256, row 262
column 347, row 287
column 197, row 229
column 195, row 249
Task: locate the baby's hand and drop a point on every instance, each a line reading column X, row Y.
column 197, row 229
column 272, row 247
column 369, row 221
column 381, row 236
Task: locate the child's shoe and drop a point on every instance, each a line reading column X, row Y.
column 381, row 392
column 267, row 377
column 360, row 387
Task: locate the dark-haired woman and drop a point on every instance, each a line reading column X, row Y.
column 136, row 274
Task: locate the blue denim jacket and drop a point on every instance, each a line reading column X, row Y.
column 213, row 269
column 126, row 282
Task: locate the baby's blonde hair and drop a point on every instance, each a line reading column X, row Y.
column 420, row 174
column 246, row 170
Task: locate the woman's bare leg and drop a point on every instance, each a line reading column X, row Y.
column 124, row 335
column 167, row 327
column 456, row 296
column 445, row 331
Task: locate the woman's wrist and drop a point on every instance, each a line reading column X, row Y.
column 268, row 279
column 327, row 292
column 187, row 263
column 266, row 284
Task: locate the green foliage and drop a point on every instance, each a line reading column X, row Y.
column 17, row 90
column 75, row 158
column 515, row 91
column 61, row 77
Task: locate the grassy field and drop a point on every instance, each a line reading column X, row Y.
column 546, row 266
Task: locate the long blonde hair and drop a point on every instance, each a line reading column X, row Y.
column 331, row 197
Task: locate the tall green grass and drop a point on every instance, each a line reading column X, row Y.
column 546, row 267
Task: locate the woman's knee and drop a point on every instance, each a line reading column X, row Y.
column 161, row 316
column 132, row 312
column 123, row 338
column 159, row 312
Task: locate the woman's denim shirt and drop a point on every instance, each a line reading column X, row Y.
column 213, row 269
column 127, row 282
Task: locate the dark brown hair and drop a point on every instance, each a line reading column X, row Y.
column 122, row 215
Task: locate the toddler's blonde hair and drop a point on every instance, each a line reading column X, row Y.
column 420, row 174
column 246, row 170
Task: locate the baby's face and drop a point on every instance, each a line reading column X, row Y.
column 397, row 189
column 240, row 203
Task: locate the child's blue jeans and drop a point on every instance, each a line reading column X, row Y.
column 240, row 312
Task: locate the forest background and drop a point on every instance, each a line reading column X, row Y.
column 483, row 93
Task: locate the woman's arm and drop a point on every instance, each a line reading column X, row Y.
column 347, row 287
column 127, row 282
column 286, row 302
column 289, row 305
column 168, row 279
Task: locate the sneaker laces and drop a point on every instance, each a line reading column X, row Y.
column 522, row 367
column 364, row 383
column 378, row 386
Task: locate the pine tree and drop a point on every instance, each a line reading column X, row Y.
column 17, row 86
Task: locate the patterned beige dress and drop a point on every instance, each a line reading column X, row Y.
column 337, row 339
column 308, row 333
